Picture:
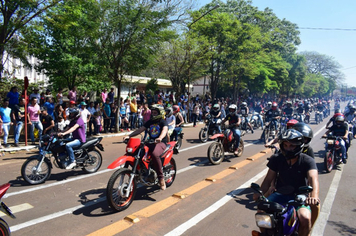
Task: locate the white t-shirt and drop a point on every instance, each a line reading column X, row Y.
column 84, row 114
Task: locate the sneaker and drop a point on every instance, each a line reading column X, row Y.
column 236, row 152
column 16, row 145
column 128, row 130
column 7, row 145
column 71, row 165
column 252, row 131
column 162, row 183
column 344, row 160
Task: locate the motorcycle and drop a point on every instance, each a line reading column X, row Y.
column 333, row 155
column 270, row 131
column 283, row 123
column 135, row 167
column 180, row 138
column 37, row 169
column 299, row 117
column 307, row 118
column 318, row 117
column 351, row 132
column 244, row 124
column 225, row 143
column 4, row 227
column 277, row 219
column 210, row 128
column 255, row 120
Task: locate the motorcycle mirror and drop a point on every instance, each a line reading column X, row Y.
column 255, row 186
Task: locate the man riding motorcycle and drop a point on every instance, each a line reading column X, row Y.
column 216, row 113
column 234, row 120
column 158, row 129
column 288, row 110
column 244, row 110
column 179, row 122
column 300, row 111
column 350, row 117
column 341, row 129
column 273, row 114
column 77, row 128
column 308, row 135
column 289, row 170
column 258, row 109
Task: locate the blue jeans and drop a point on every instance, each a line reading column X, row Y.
column 176, row 131
column 18, row 129
column 140, row 122
column 38, row 125
column 260, row 119
column 237, row 136
column 133, row 117
column 69, row 147
column 6, row 127
column 218, row 126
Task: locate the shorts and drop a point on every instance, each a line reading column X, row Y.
column 283, row 199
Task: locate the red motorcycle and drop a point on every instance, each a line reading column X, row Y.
column 135, row 167
column 4, row 227
column 225, row 142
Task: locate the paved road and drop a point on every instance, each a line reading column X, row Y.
column 216, row 199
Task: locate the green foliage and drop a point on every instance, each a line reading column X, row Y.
column 152, row 86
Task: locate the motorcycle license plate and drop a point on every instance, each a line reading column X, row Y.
column 330, row 142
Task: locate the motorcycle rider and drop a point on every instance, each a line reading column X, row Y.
column 216, row 113
column 234, row 121
column 291, row 169
column 288, row 110
column 307, row 109
column 158, row 129
column 244, row 110
column 171, row 120
column 350, row 117
column 341, row 129
column 258, row 109
column 273, row 115
column 179, row 122
column 300, row 111
column 320, row 108
column 332, row 119
column 77, row 128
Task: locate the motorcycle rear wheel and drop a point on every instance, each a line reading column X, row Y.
column 117, row 188
column 171, row 167
column 203, row 136
column 4, row 228
column 93, row 162
column 216, row 153
column 31, row 175
column 329, row 161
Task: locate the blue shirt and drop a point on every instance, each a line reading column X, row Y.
column 5, row 114
column 107, row 109
column 13, row 98
column 50, row 108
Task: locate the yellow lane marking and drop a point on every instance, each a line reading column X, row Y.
column 153, row 209
column 18, row 208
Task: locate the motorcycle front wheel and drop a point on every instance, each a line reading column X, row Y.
column 170, row 172
column 34, row 174
column 117, row 189
column 216, row 153
column 329, row 161
column 203, row 136
column 241, row 148
column 93, row 162
column 4, row 228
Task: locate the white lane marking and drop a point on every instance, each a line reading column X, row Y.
column 54, row 215
column 199, row 217
column 319, row 226
column 18, row 208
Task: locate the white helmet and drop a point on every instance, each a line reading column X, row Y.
column 232, row 106
column 244, row 104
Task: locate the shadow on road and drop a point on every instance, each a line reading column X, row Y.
column 342, row 228
column 245, row 198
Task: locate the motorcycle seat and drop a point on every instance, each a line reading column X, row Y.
column 89, row 142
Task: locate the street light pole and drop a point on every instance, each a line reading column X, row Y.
column 189, row 27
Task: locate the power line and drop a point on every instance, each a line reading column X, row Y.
column 340, row 29
column 349, row 68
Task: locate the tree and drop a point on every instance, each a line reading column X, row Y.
column 14, row 16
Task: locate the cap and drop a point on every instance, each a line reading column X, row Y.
column 83, row 104
column 72, row 102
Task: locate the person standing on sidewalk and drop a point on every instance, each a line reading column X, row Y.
column 85, row 114
column 195, row 113
column 5, row 113
column 13, row 97
column 106, row 115
column 133, row 113
column 92, row 121
column 72, row 95
column 33, row 112
column 18, row 115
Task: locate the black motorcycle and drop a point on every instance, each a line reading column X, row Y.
column 37, row 169
column 180, row 138
column 211, row 127
column 270, row 131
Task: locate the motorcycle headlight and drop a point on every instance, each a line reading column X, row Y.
column 330, row 142
column 264, row 220
column 129, row 150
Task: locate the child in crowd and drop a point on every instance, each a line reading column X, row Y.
column 97, row 117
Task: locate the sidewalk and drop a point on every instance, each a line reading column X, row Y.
column 104, row 135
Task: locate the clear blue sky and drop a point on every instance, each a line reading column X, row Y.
column 341, row 45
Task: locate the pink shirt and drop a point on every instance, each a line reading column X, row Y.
column 72, row 95
column 33, row 112
column 104, row 96
column 146, row 115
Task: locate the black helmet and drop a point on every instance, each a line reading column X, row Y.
column 339, row 120
column 74, row 113
column 306, row 131
column 337, row 111
column 294, row 137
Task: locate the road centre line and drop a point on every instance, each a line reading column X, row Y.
column 18, row 208
column 199, row 217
